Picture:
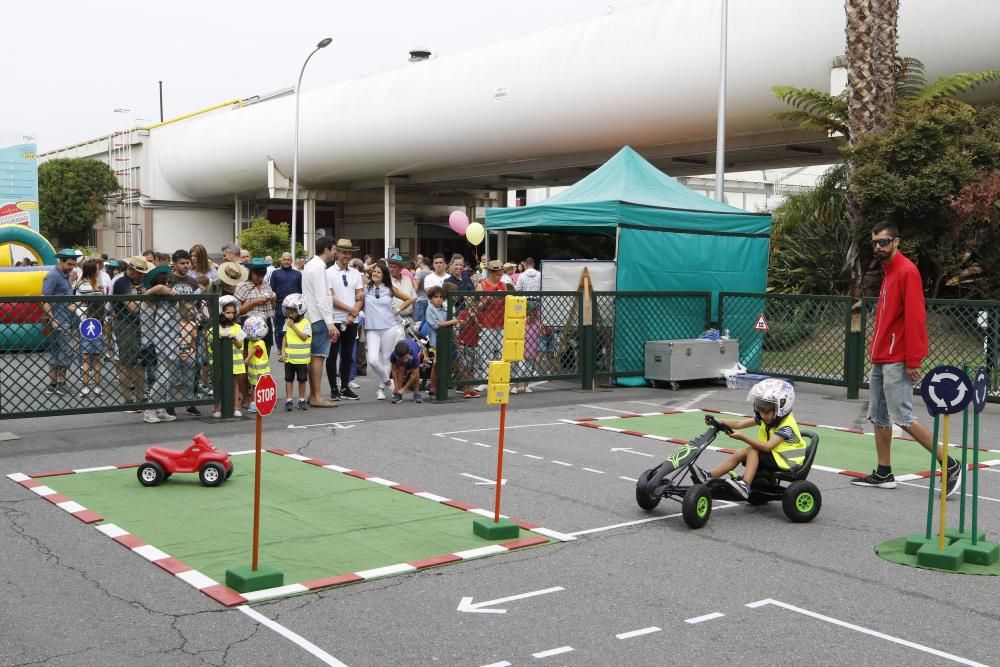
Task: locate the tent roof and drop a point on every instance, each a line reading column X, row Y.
column 628, row 190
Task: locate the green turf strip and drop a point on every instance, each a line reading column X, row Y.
column 315, row 522
column 837, row 449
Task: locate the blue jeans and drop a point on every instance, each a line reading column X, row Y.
column 890, row 395
column 320, row 346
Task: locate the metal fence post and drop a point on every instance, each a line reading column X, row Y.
column 588, row 356
column 224, row 378
column 442, row 361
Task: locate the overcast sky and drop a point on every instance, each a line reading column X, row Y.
column 68, row 64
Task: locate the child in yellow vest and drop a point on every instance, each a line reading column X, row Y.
column 296, row 345
column 258, row 364
column 229, row 328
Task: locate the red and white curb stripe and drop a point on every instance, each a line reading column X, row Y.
column 228, row 597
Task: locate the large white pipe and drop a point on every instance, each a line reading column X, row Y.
column 644, row 76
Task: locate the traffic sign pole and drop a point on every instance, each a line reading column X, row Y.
column 503, row 423
column 256, row 496
column 943, row 512
column 930, row 486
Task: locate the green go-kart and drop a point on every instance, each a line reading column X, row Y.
column 680, row 479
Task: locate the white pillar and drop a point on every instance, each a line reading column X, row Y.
column 309, row 224
column 236, row 218
column 390, row 216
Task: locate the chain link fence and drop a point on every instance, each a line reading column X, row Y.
column 72, row 354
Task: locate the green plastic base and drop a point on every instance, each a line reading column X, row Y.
column 488, row 530
column 980, row 553
column 956, row 534
column 244, row 580
column 917, row 540
column 949, row 558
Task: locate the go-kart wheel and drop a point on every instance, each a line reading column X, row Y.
column 150, row 473
column 697, row 506
column 801, row 501
column 642, row 497
column 232, row 467
column 212, row 474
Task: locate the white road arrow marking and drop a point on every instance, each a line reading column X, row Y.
column 351, row 423
column 483, row 480
column 630, row 451
column 467, row 605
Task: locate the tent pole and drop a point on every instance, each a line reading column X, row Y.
column 720, row 138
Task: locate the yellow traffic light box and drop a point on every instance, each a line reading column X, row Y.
column 499, row 372
column 515, row 306
column 497, row 394
column 513, row 350
column 513, row 328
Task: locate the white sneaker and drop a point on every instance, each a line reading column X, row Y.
column 481, row 387
column 149, row 416
column 217, row 414
column 513, row 389
column 354, row 385
column 237, row 413
column 380, row 395
column 527, row 389
column 164, row 416
column 85, row 391
column 98, row 391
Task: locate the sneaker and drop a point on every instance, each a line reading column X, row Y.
column 353, row 385
column 165, row 416
column 334, row 395
column 252, row 409
column 62, row 389
column 742, row 488
column 417, row 398
column 85, row 391
column 349, row 395
column 481, row 387
column 513, row 390
column 396, row 398
column 471, row 394
column 705, row 475
column 289, row 406
column 98, row 391
column 149, row 416
column 380, row 395
column 51, row 389
column 237, row 413
column 528, row 390
column 193, row 411
column 303, row 404
column 217, row 414
column 172, row 412
column 876, row 480
column 954, row 476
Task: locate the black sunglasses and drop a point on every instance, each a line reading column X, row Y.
column 881, row 243
column 344, row 276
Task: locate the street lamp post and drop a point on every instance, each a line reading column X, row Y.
column 720, row 131
column 295, row 151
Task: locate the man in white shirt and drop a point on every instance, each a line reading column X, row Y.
column 436, row 279
column 530, row 279
column 319, row 310
column 347, row 290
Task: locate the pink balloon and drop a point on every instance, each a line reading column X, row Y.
column 458, row 221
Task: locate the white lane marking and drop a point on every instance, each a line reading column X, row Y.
column 702, row 619
column 502, row 663
column 481, row 444
column 331, row 425
column 697, row 399
column 243, row 452
column 628, row 479
column 459, row 439
column 295, row 638
column 71, row 506
column 18, row 477
column 337, row 468
column 655, row 405
column 484, row 480
column 723, row 504
column 532, row 456
column 509, row 451
column 197, row 579
column 111, row 530
column 867, row 631
column 480, row 552
column 497, row 428
column 382, row 481
column 921, row 486
column 467, row 605
column 278, row 591
column 97, row 469
column 638, row 633
column 150, row 553
column 599, row 472
column 427, row 495
column 554, row 534
column 597, row 407
column 561, row 463
column 630, row 451
column 552, row 651
column 386, row 571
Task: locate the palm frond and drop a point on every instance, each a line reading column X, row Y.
column 912, row 78
column 807, row 121
column 814, row 109
column 955, row 84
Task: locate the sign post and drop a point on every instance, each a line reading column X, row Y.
column 258, row 577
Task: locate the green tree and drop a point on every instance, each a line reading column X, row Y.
column 72, row 196
column 263, row 238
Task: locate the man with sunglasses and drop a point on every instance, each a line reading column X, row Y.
column 347, row 290
column 898, row 348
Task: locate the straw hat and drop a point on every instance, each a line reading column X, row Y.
column 345, row 244
column 138, row 263
column 232, row 273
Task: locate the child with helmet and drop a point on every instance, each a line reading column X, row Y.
column 257, row 362
column 229, row 308
column 296, row 344
column 778, row 446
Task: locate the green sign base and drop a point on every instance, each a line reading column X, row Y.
column 244, row 579
column 505, row 529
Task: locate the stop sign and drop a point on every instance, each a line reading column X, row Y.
column 265, row 395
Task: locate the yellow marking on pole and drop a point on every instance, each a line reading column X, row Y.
column 944, row 483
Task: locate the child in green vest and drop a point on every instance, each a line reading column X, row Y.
column 229, row 328
column 295, row 348
column 258, row 364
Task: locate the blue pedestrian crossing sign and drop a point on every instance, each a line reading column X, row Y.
column 91, row 328
column 946, row 390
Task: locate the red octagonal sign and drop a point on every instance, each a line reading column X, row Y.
column 265, row 395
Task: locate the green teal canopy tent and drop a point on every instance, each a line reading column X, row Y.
column 670, row 238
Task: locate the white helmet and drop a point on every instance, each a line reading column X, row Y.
column 294, row 303
column 226, row 300
column 255, row 327
column 775, row 394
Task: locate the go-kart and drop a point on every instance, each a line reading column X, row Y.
column 212, row 465
column 680, row 479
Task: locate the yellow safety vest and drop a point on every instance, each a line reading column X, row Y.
column 239, row 367
column 257, row 367
column 298, row 351
column 786, row 452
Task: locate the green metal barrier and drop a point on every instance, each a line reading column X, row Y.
column 63, row 363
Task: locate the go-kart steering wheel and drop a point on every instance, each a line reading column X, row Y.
column 717, row 425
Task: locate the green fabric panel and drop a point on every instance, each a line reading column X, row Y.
column 837, row 449
column 894, row 552
column 315, row 522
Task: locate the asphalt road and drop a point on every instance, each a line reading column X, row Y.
column 645, row 593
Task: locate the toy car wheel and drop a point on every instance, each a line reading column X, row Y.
column 697, row 506
column 212, row 474
column 801, row 501
column 232, row 467
column 642, row 497
column 150, row 473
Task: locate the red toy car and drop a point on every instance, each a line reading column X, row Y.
column 212, row 465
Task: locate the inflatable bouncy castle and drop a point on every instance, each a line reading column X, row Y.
column 21, row 323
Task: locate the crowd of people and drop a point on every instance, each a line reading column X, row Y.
column 337, row 313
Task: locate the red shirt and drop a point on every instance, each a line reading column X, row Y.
column 492, row 312
column 900, row 316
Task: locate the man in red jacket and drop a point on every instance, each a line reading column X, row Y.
column 898, row 348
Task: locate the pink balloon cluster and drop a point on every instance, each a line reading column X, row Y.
column 458, row 221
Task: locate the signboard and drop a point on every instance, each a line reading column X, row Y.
column 265, row 395
column 90, row 328
column 980, row 388
column 18, row 180
column 761, row 324
column 946, row 390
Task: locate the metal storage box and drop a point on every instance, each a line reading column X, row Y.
column 689, row 359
